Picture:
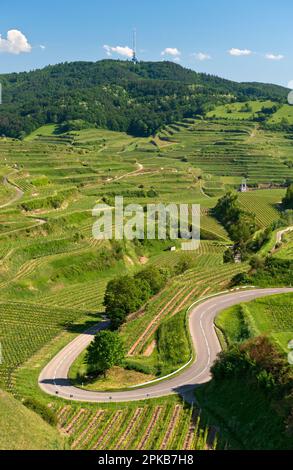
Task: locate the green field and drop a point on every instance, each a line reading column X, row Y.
column 238, row 111
column 248, row 111
column 272, row 316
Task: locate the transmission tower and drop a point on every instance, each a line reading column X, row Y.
column 134, row 57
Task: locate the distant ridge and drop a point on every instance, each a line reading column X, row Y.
column 117, row 95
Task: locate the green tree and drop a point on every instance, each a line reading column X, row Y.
column 288, row 199
column 184, row 264
column 240, row 224
column 105, row 352
column 123, row 296
column 155, row 277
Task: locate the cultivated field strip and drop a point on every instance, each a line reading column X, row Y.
column 39, row 324
column 192, row 286
column 264, row 204
column 165, row 426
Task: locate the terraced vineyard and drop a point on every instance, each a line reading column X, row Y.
column 53, row 273
column 162, row 426
column 233, row 149
column 265, row 204
column 24, row 329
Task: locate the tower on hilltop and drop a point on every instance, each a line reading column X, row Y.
column 134, row 57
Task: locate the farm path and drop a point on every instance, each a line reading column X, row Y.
column 282, row 232
column 18, row 192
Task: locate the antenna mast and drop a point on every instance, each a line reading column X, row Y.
column 134, row 58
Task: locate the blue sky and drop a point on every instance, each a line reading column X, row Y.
column 245, row 40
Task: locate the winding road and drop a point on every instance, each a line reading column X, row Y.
column 54, row 377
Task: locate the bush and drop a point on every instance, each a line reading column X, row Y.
column 132, row 364
column 53, row 202
column 74, row 125
column 261, row 239
column 184, row 264
column 240, row 279
column 265, row 380
column 256, row 262
column 42, row 410
column 230, row 363
column 273, row 272
column 248, row 326
column 228, row 256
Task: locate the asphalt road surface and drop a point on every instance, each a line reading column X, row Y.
column 54, row 377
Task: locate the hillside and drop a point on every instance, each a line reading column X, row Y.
column 241, row 326
column 117, row 95
column 54, row 274
column 16, row 420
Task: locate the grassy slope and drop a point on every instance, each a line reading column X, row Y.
column 245, row 417
column 272, row 316
column 47, row 130
column 286, row 250
column 22, row 429
column 117, row 377
column 235, row 110
column 6, row 192
column 285, row 112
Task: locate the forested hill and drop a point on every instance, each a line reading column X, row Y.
column 117, row 95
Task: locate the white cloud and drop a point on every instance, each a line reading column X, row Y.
column 239, row 52
column 274, row 56
column 42, row 47
column 201, row 56
column 15, row 43
column 172, row 51
column 176, row 59
column 120, row 50
column 107, row 49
